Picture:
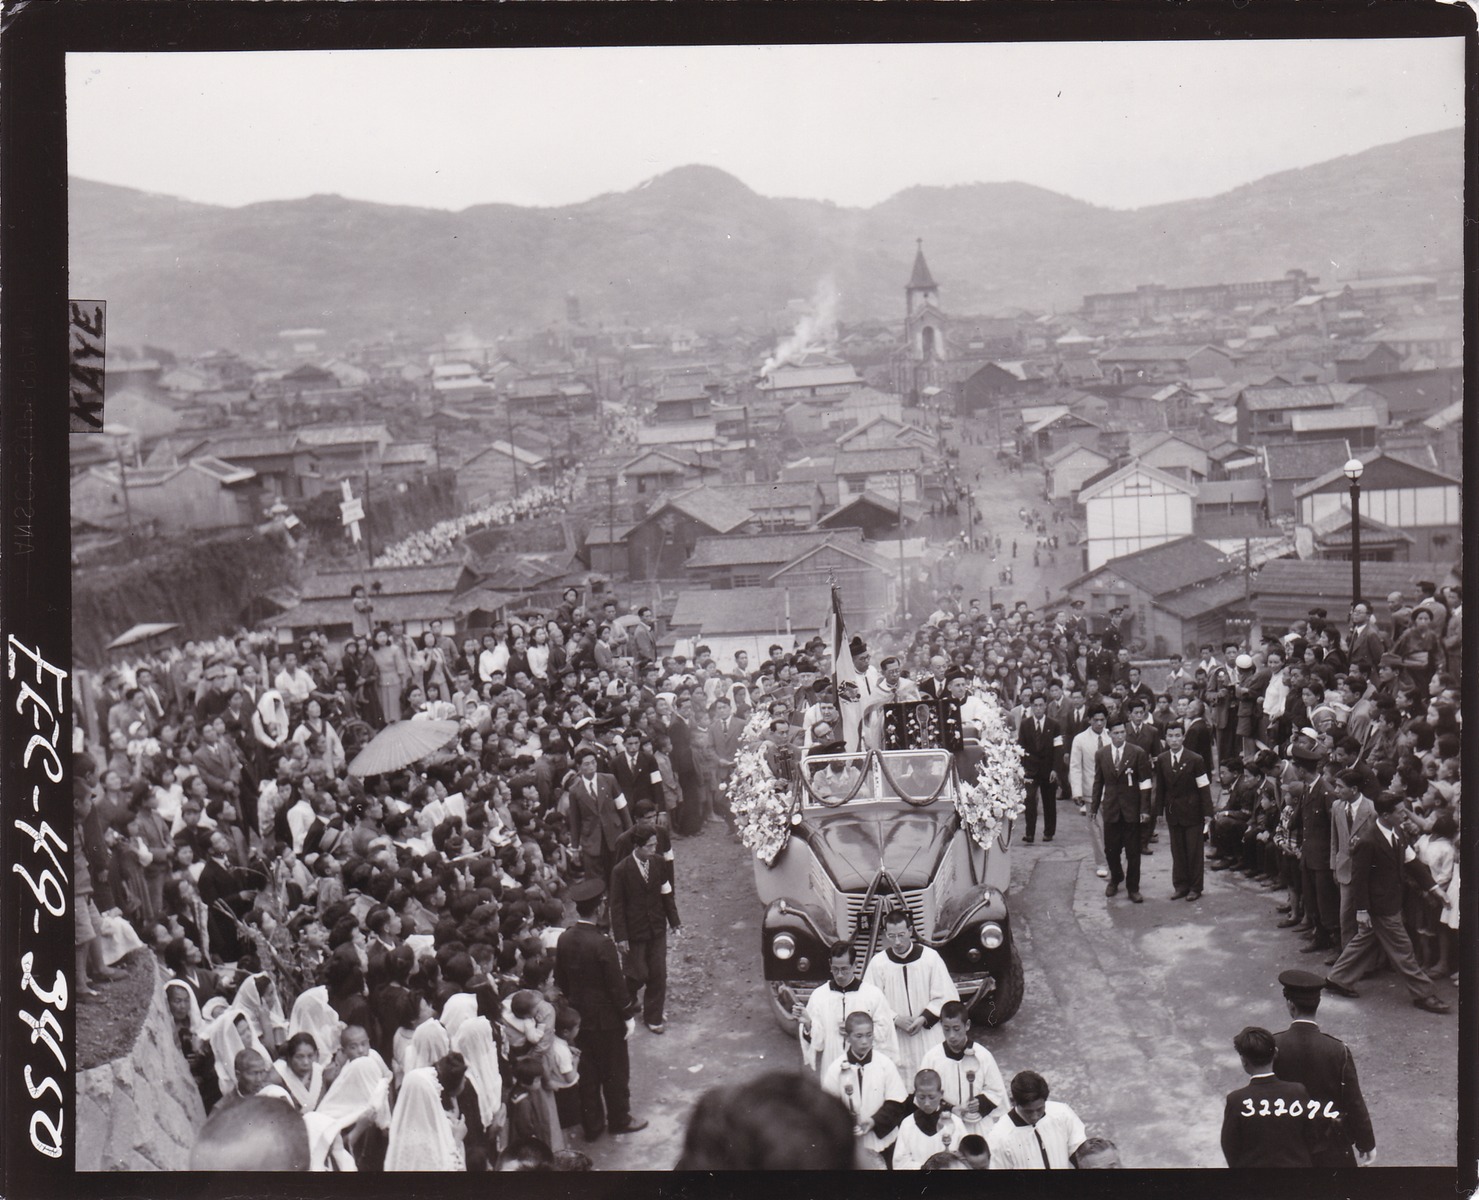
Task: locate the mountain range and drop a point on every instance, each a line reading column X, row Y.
column 697, row 247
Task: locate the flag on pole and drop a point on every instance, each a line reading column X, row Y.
column 845, row 676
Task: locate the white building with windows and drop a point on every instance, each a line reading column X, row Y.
column 1399, row 493
column 1132, row 508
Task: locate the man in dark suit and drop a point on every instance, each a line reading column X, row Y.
column 1073, row 719
column 1042, row 744
column 933, row 685
column 634, row 769
column 1143, row 733
column 1365, row 645
column 1184, row 793
column 1323, row 1064
column 1311, row 824
column 642, row 910
column 1122, row 790
column 1377, row 858
column 1100, row 663
column 588, row 972
column 598, row 814
column 689, row 819
column 1264, row 1124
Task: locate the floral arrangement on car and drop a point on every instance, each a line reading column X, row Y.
column 999, row 791
column 760, row 800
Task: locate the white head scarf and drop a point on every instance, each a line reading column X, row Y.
column 420, row 1130
column 262, row 1016
column 226, row 1043
column 362, row 1086
column 428, row 1044
column 459, row 1008
column 312, row 1014
column 197, row 1022
column 474, row 1041
column 274, row 713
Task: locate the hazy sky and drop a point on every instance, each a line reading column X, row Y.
column 1118, row 124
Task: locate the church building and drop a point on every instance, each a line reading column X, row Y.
column 939, row 351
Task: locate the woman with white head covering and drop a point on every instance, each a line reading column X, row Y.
column 474, row 1041
column 359, row 1097
column 421, row 1137
column 270, row 725
column 458, row 1008
column 190, row 1034
column 230, row 1033
column 312, row 1014
column 258, row 998
column 428, row 1043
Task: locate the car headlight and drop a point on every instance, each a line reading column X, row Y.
column 783, row 945
column 992, row 935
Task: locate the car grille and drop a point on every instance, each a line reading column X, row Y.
column 858, row 924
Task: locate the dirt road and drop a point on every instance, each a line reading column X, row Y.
column 1129, row 1013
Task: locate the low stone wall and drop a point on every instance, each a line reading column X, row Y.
column 141, row 1111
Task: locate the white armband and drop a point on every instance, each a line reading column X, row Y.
column 1203, row 781
column 655, row 777
column 667, row 889
column 1145, row 785
column 621, row 802
column 1057, row 741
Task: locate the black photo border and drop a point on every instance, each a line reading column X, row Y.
column 35, row 556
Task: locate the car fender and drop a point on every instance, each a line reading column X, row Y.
column 813, row 930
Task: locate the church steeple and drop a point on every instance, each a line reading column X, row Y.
column 921, row 288
column 921, row 280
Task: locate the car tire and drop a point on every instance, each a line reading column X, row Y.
column 782, row 1015
column 1006, row 999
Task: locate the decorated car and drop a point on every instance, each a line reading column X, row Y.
column 923, row 824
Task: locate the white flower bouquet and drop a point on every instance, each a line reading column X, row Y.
column 999, row 791
column 760, row 801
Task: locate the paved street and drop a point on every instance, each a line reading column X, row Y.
column 1130, row 1010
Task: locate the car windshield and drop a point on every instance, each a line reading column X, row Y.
column 838, row 777
column 913, row 774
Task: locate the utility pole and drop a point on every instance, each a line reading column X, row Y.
column 903, row 576
column 611, row 524
column 512, row 452
column 128, row 512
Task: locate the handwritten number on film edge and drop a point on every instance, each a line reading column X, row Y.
column 49, row 886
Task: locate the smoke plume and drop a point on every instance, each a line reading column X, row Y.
column 816, row 330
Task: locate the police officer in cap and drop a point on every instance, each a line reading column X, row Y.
column 588, row 971
column 1303, row 1054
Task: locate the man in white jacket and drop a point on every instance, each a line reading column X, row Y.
column 1081, row 781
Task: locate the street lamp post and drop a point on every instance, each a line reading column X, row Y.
column 1353, row 470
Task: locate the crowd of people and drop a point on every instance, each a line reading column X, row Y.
column 395, row 956
column 440, row 542
column 394, row 959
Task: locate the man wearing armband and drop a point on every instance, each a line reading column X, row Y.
column 1122, row 790
column 1184, row 793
